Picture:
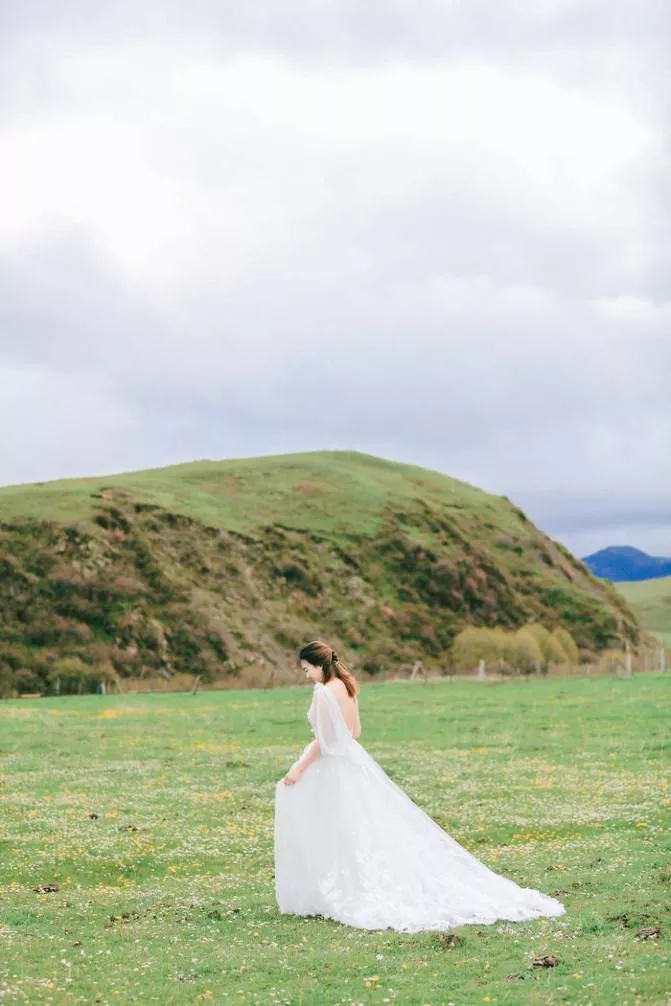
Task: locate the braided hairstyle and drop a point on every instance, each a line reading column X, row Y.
column 322, row 655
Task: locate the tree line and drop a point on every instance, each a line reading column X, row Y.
column 532, row 648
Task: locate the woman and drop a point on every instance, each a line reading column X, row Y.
column 351, row 846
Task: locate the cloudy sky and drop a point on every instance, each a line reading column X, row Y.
column 434, row 230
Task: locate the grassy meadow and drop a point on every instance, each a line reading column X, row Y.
column 650, row 600
column 154, row 815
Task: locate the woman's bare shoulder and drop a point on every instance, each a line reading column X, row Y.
column 337, row 686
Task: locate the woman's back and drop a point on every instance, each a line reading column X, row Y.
column 349, row 707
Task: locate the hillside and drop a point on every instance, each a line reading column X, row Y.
column 650, row 601
column 621, row 563
column 216, row 567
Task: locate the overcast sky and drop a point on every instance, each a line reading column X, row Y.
column 435, row 230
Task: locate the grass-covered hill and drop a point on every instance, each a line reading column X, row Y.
column 219, row 567
column 650, row 600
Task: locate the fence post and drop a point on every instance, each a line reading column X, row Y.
column 482, row 669
column 418, row 667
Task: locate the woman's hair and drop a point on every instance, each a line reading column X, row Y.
column 321, row 655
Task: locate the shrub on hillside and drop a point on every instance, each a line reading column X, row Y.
column 568, row 645
column 471, row 646
column 27, row 681
column 71, row 676
column 6, row 682
column 376, row 661
column 541, row 635
column 503, row 644
column 557, row 647
column 528, row 654
column 12, row 656
column 298, row 576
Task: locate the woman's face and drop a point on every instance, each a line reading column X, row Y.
column 313, row 673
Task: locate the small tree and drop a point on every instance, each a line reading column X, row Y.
column 555, row 652
column 107, row 674
column 6, row 682
column 542, row 637
column 503, row 644
column 71, row 676
column 540, row 634
column 26, row 680
column 528, row 654
column 471, row 646
column 568, row 645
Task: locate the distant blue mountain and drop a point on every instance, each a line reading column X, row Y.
column 621, row 563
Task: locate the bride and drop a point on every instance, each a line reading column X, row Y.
column 351, row 846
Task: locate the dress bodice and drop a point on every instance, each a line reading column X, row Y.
column 327, row 721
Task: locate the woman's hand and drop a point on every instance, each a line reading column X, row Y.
column 292, row 776
column 311, row 753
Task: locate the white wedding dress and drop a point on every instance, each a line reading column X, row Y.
column 351, row 846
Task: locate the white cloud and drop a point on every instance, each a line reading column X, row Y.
column 184, row 169
column 445, row 244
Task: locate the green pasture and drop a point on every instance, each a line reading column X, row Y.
column 650, row 600
column 154, row 816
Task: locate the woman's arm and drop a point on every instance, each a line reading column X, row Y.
column 298, row 767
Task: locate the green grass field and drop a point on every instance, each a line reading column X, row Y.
column 650, row 600
column 154, row 815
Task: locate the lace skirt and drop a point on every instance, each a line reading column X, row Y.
column 350, row 845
